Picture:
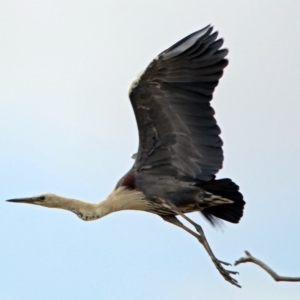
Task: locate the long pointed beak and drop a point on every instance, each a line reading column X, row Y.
column 22, row 200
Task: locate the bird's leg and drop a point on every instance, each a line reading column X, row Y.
column 225, row 273
column 173, row 220
column 202, row 239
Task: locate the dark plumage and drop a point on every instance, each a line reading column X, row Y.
column 180, row 149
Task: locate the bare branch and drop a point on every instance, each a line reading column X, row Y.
column 250, row 258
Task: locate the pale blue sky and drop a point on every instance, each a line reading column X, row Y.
column 67, row 127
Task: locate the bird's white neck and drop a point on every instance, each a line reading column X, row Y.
column 119, row 199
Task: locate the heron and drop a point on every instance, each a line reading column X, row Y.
column 180, row 149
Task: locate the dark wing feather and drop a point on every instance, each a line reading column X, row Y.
column 178, row 133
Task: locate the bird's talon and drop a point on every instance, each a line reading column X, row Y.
column 233, row 272
column 226, row 273
column 221, row 262
column 224, row 263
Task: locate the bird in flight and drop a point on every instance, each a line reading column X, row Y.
column 180, row 149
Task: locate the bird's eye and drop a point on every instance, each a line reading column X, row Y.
column 42, row 198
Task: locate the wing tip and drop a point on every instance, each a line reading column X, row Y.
column 187, row 42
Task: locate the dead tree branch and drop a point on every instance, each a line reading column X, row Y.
column 250, row 258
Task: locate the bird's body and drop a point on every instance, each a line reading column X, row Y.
column 180, row 150
column 188, row 196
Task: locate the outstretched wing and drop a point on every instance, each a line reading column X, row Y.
column 178, row 134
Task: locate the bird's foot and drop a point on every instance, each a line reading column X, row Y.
column 218, row 264
column 225, row 273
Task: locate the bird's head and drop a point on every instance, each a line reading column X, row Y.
column 85, row 211
column 47, row 200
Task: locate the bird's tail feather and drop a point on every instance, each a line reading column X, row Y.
column 229, row 212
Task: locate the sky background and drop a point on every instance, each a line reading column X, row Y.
column 67, row 127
